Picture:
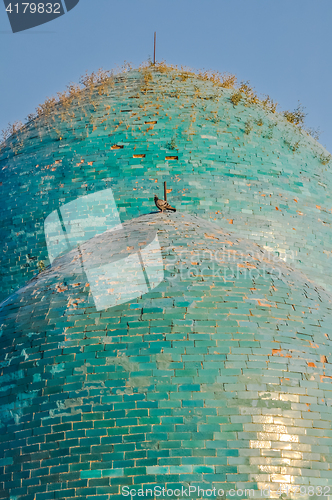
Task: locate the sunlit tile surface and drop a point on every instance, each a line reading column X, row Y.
column 176, row 349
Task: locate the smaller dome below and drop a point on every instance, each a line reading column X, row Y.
column 224, row 361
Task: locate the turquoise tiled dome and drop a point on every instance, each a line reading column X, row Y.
column 270, row 183
column 164, row 350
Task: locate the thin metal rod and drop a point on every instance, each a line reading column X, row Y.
column 165, row 192
column 154, row 47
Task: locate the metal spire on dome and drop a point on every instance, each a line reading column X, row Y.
column 154, row 48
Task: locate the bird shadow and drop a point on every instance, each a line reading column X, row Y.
column 159, row 212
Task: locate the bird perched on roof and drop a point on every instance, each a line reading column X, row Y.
column 162, row 204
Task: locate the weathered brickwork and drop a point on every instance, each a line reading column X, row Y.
column 218, row 376
column 270, row 183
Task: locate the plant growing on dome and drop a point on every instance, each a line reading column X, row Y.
column 292, row 146
column 295, row 146
column 297, row 116
column 147, row 75
column 11, row 128
column 236, row 97
column 171, row 144
column 248, row 127
column 184, row 76
column 325, row 158
column 89, row 80
column 41, row 266
column 224, row 80
column 271, row 127
column 228, row 81
column 30, row 117
column 249, row 92
column 315, row 133
column 47, row 106
column 269, row 104
column 215, row 118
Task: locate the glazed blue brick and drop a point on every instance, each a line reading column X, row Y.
column 218, row 378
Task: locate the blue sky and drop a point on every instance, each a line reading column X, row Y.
column 283, row 47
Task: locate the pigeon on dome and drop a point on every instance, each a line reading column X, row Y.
column 162, row 204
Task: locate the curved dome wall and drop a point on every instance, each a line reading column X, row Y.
column 164, row 349
column 219, row 377
column 239, row 164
